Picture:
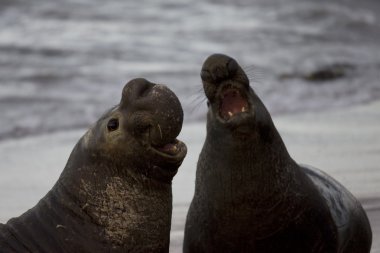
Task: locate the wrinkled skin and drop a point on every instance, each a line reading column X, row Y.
column 114, row 194
column 250, row 196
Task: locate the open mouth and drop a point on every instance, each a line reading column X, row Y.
column 170, row 149
column 232, row 103
column 164, row 160
column 175, row 150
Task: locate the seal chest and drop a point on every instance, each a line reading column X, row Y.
column 250, row 195
column 115, row 191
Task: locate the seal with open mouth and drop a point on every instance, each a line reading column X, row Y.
column 114, row 194
column 250, row 195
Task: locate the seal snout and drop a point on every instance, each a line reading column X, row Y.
column 153, row 109
column 154, row 115
column 218, row 68
column 226, row 86
column 219, row 71
column 134, row 90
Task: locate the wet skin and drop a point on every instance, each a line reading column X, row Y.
column 114, row 194
column 250, row 195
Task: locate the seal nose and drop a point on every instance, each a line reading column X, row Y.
column 220, row 71
column 151, row 109
column 135, row 89
column 218, row 67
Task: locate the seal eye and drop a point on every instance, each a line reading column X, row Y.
column 113, row 124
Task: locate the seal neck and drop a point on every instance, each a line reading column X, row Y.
column 118, row 205
column 258, row 165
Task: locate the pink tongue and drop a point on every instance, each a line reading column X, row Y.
column 232, row 102
column 169, row 148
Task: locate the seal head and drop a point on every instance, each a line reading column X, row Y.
column 114, row 194
column 233, row 104
column 146, row 122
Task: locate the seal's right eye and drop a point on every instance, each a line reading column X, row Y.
column 113, row 124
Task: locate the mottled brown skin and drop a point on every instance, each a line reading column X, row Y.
column 114, row 194
column 250, row 195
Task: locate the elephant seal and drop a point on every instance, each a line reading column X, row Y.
column 250, row 195
column 114, row 194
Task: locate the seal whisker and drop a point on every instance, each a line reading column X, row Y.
column 159, row 129
column 199, row 97
column 196, row 106
column 198, row 94
column 254, row 74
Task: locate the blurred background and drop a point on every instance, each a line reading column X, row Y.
column 64, row 62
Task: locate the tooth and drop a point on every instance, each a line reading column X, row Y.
column 243, row 109
column 230, row 114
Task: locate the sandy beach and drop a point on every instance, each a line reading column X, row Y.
column 343, row 142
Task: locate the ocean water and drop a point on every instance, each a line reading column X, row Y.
column 64, row 62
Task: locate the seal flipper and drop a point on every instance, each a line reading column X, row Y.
column 354, row 231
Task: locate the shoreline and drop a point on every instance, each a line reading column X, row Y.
column 345, row 143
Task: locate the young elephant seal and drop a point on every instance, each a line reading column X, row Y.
column 250, row 196
column 114, row 194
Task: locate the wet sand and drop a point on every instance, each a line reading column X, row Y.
column 344, row 142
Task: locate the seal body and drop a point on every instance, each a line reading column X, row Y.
column 250, row 195
column 114, row 194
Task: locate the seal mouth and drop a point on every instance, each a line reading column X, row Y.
column 165, row 160
column 232, row 103
column 171, row 153
column 170, row 150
